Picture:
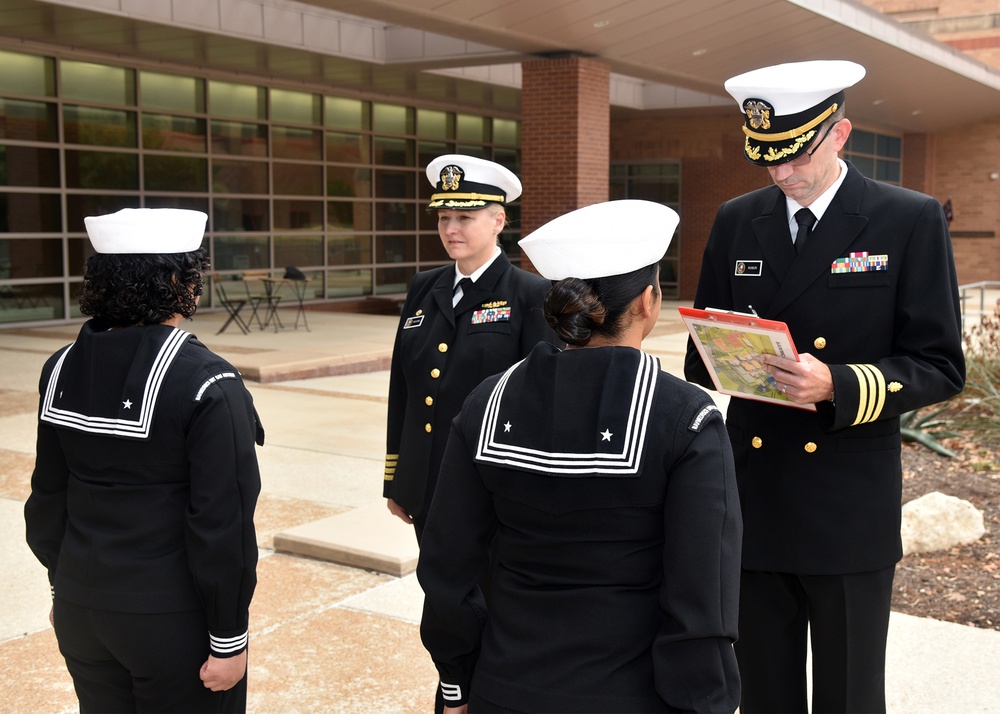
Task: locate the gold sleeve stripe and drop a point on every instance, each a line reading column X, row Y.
column 871, row 393
column 390, row 466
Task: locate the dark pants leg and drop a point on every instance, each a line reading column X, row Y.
column 139, row 662
column 847, row 619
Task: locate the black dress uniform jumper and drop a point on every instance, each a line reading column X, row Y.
column 610, row 489
column 141, row 509
column 874, row 296
column 441, row 352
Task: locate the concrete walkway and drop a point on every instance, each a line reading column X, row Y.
column 328, row 637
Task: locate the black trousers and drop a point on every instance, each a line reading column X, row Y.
column 125, row 662
column 847, row 619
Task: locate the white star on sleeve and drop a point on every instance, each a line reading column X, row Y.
column 606, row 435
column 127, row 404
column 506, row 427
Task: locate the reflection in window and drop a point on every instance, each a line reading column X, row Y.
column 392, row 119
column 243, row 101
column 239, row 176
column 292, row 143
column 390, row 281
column 349, row 216
column 102, row 127
column 80, row 205
column 395, row 184
column 395, row 249
column 432, row 249
column 351, row 114
column 294, row 107
column 347, row 148
column 478, row 150
column 172, row 93
column 102, row 170
column 433, row 124
column 348, row 283
column 240, row 214
column 239, row 139
column 78, row 250
column 27, row 74
column 348, row 249
column 175, row 173
column 191, row 203
column 298, row 251
column 240, row 253
column 28, row 121
column 24, row 303
column 31, row 258
column 395, row 216
column 393, row 152
column 430, row 150
column 298, row 215
column 347, row 181
column 97, row 83
column 470, row 128
column 161, row 132
column 507, row 131
column 298, row 179
column 29, row 166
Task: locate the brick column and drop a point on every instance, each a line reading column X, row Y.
column 565, row 137
column 918, row 163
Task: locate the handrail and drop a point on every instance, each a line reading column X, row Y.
column 983, row 286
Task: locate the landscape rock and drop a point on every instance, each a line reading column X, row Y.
column 937, row 521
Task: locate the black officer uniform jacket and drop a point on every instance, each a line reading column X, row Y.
column 610, row 489
column 146, row 479
column 821, row 491
column 441, row 353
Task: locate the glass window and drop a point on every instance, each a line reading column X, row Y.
column 349, row 249
column 351, row 114
column 290, row 143
column 429, row 150
column 298, row 215
column 395, row 184
column 390, row 281
column 229, row 176
column 395, row 249
column 392, row 119
column 21, row 303
column 295, row 107
column 298, row 250
column 889, row 146
column 33, row 258
column 29, row 166
column 241, row 253
column 470, row 128
column 347, row 148
column 861, row 142
column 27, row 74
column 432, row 249
column 508, row 158
column 102, row 169
column 348, row 181
column 28, row 121
column 888, row 171
column 243, row 101
column 482, row 152
column 241, row 214
column 239, row 139
column 101, row 127
column 349, row 215
column 172, row 93
column 162, row 132
column 175, row 173
column 298, row 179
column 877, row 156
column 97, row 83
column 433, row 124
column 395, row 216
column 507, row 131
column 393, row 152
column 78, row 250
column 349, row 283
column 79, row 205
column 192, row 203
column 30, row 213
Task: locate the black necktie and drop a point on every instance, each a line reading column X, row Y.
column 805, row 218
column 456, row 296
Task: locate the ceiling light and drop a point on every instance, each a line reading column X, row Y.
column 602, row 23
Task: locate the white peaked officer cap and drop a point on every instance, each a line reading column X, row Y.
column 147, row 230
column 601, row 240
column 469, row 183
column 784, row 105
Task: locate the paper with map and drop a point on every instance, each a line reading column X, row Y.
column 731, row 343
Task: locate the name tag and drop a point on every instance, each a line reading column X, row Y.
column 412, row 322
column 749, row 268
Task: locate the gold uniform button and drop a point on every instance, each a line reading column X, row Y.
column 419, row 312
column 428, row 428
column 810, row 447
column 435, row 373
column 429, row 401
column 819, row 343
column 443, row 347
column 757, row 442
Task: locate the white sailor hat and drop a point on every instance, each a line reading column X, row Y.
column 784, row 104
column 469, row 183
column 147, row 230
column 604, row 239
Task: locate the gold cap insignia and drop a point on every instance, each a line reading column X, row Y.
column 451, row 176
column 758, row 114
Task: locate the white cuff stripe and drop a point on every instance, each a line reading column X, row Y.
column 451, row 692
column 228, row 644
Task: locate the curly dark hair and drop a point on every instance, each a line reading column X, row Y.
column 579, row 309
column 121, row 290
